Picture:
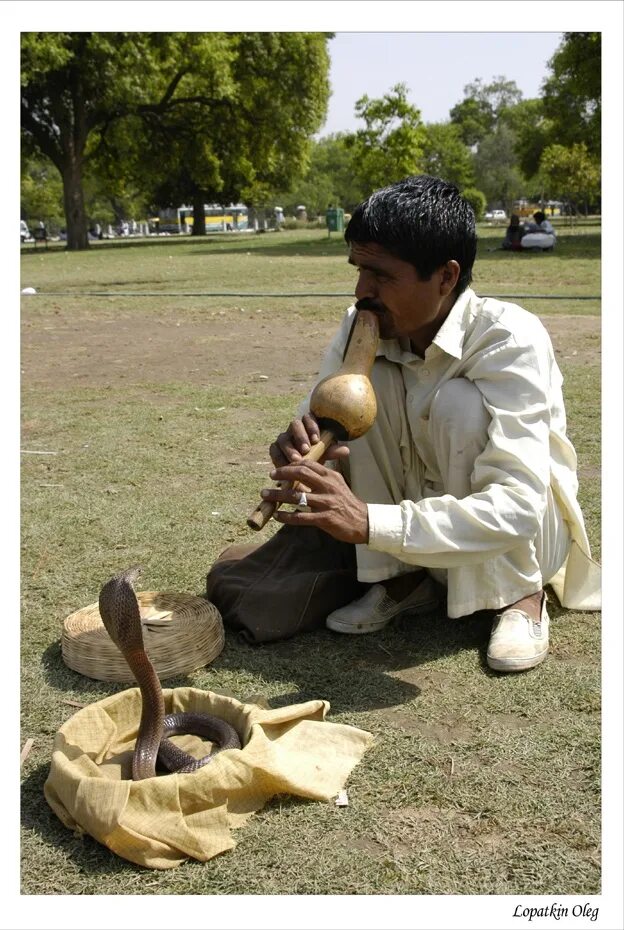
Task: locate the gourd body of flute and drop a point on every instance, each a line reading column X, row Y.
column 345, row 401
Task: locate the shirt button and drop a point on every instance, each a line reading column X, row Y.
column 425, row 372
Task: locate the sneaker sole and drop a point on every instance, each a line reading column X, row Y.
column 357, row 629
column 515, row 665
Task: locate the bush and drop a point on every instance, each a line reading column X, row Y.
column 477, row 201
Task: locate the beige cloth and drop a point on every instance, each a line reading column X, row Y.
column 159, row 822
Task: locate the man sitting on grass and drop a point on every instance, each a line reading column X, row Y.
column 467, row 479
column 540, row 235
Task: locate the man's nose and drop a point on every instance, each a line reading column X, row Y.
column 365, row 287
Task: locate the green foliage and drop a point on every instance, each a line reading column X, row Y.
column 473, row 118
column 41, row 192
column 533, row 131
column 478, row 114
column 328, row 181
column 281, row 101
column 445, row 155
column 500, row 94
column 184, row 115
column 75, row 86
column 253, row 140
column 476, row 199
column 572, row 95
column 570, row 174
column 390, row 147
column 496, row 169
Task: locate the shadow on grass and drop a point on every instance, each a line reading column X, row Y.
column 267, row 244
column 354, row 673
column 569, row 246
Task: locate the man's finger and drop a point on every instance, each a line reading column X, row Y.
column 300, row 436
column 296, row 497
column 309, row 473
column 311, row 427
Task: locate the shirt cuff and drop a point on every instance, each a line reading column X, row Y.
column 385, row 527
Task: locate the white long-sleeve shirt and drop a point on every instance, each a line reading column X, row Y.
column 507, row 353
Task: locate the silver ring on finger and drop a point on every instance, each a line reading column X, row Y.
column 303, row 500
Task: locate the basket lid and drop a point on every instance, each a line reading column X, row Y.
column 181, row 633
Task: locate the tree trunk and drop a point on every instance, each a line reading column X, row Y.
column 199, row 216
column 73, row 202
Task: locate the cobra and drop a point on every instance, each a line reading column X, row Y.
column 121, row 616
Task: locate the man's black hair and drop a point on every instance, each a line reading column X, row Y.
column 421, row 220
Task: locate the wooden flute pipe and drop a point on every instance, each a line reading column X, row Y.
column 343, row 404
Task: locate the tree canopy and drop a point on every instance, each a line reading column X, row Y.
column 390, row 146
column 572, row 94
column 196, row 113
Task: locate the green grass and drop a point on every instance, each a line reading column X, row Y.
column 141, row 466
column 296, row 262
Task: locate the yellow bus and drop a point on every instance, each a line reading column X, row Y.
column 218, row 219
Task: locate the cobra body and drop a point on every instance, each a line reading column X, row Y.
column 120, row 614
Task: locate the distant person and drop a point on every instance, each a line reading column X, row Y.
column 541, row 234
column 467, row 478
column 513, row 237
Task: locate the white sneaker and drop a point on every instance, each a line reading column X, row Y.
column 518, row 642
column 376, row 609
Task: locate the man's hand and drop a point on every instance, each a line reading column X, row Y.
column 333, row 506
column 293, row 444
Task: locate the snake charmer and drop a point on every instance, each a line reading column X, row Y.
column 464, row 489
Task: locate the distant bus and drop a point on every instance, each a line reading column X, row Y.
column 218, row 219
column 524, row 208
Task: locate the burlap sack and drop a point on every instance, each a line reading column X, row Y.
column 159, row 822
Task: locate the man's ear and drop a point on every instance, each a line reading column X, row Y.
column 450, row 277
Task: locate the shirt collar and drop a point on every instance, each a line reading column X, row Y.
column 450, row 336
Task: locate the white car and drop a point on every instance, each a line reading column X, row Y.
column 24, row 231
column 496, row 215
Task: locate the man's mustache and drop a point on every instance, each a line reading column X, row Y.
column 366, row 303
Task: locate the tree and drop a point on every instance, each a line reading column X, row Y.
column 478, row 114
column 571, row 174
column 533, row 131
column 496, row 168
column 41, row 192
column 445, row 155
column 474, row 119
column 572, row 94
column 183, row 114
column 76, row 86
column 255, row 139
column 476, row 199
column 284, row 84
column 328, row 181
column 390, row 147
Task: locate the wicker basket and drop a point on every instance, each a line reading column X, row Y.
column 181, row 633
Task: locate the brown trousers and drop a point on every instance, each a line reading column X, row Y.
column 284, row 587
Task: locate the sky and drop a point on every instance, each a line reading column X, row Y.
column 436, row 66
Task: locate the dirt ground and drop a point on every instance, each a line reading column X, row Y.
column 225, row 349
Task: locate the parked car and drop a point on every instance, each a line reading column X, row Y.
column 24, row 231
column 496, row 215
